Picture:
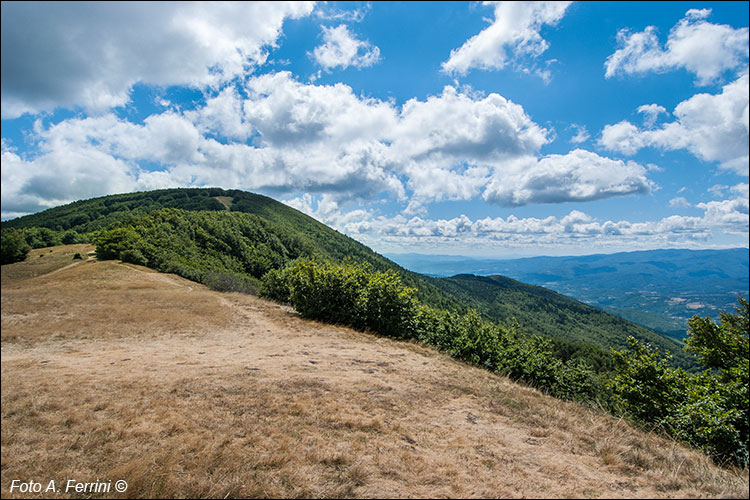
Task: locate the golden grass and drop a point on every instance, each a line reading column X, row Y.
column 41, row 261
column 111, row 371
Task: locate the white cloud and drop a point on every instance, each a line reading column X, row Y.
column 456, row 126
column 679, row 202
column 650, row 113
column 284, row 137
column 512, row 37
column 707, row 50
column 623, row 137
column 326, row 11
column 731, row 214
column 577, row 176
column 59, row 177
column 582, row 134
column 90, row 54
column 463, row 234
column 741, row 189
column 342, row 49
column 223, row 115
column 713, row 127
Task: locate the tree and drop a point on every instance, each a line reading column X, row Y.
column 721, row 346
column 14, row 246
column 709, row 410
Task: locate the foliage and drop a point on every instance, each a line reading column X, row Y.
column 274, row 286
column 228, row 251
column 224, row 282
column 578, row 329
column 709, row 410
column 13, row 247
column 113, row 244
column 348, row 294
column 646, row 385
column 722, row 346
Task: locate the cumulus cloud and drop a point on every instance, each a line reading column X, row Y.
column 462, row 233
column 341, row 48
column 513, row 37
column 679, row 202
column 60, row 176
column 283, row 137
column 577, row 176
column 713, row 127
column 90, row 54
column 707, row 50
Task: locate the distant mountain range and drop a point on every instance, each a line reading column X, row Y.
column 659, row 289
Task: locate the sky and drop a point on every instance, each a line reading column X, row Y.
column 490, row 129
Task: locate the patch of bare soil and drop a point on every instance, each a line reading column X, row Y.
column 114, row 372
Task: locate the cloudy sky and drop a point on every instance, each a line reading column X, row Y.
column 486, row 129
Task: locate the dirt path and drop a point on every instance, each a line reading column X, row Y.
column 112, row 371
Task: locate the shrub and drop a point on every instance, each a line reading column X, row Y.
column 134, row 256
column 708, row 410
column 70, row 237
column 347, row 294
column 224, row 282
column 13, row 247
column 274, row 286
column 110, row 244
column 645, row 385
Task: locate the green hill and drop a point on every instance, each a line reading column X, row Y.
column 230, row 238
column 541, row 311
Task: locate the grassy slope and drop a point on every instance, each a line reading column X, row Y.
column 536, row 309
column 188, row 392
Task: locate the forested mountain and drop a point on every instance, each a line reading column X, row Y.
column 230, row 238
column 660, row 289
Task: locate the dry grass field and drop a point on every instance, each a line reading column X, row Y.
column 114, row 372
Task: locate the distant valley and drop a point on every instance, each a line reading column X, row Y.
column 659, row 289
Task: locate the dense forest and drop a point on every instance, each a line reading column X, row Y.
column 231, row 240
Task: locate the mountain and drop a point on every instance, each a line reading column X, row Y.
column 660, row 289
column 230, row 238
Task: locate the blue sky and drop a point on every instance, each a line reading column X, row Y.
column 485, row 129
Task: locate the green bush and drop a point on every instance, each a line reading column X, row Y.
column 134, row 256
column 354, row 295
column 13, row 246
column 224, row 282
column 274, row 286
column 111, row 244
column 645, row 385
column 708, row 410
column 69, row 237
column 347, row 294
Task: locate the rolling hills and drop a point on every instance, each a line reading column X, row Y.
column 230, row 238
column 660, row 289
column 111, row 371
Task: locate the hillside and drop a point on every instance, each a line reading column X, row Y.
column 230, row 238
column 541, row 311
column 660, row 289
column 113, row 371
